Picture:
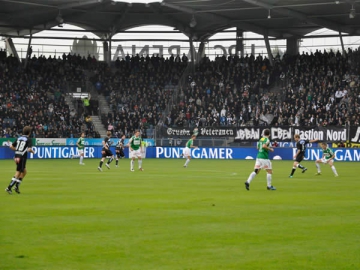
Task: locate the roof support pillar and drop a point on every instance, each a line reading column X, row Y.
column 201, row 52
column 29, row 50
column 192, row 53
column 239, row 42
column 109, row 52
column 105, row 51
column 292, row 46
column 10, row 47
column 342, row 43
column 268, row 48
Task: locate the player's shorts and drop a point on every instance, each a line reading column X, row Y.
column 187, row 152
column 299, row 157
column 135, row 153
column 263, row 164
column 20, row 163
column 324, row 160
column 81, row 151
column 106, row 153
column 119, row 152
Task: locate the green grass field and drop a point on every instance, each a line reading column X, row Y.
column 168, row 217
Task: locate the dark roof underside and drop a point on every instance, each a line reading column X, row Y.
column 289, row 18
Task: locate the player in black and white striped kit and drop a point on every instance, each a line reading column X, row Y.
column 106, row 152
column 21, row 146
column 119, row 149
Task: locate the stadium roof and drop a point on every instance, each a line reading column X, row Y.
column 197, row 18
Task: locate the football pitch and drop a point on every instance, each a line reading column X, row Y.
column 73, row 217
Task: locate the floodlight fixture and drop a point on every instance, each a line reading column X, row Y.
column 59, row 18
column 352, row 13
column 193, row 22
column 130, row 2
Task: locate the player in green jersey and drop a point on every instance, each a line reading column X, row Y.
column 80, row 147
column 327, row 158
column 136, row 149
column 262, row 160
column 187, row 150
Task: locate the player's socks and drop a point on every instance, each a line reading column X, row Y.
column 317, row 167
column 17, row 184
column 117, row 162
column 251, row 177
column 292, row 171
column 76, row 156
column 101, row 163
column 334, row 170
column 12, row 182
column 81, row 159
column 300, row 166
column 132, row 165
column 268, row 178
column 186, row 162
column 140, row 163
column 110, row 160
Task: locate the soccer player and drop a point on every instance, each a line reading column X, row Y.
column 135, row 147
column 80, row 146
column 187, row 150
column 262, row 160
column 119, row 149
column 327, row 158
column 300, row 153
column 106, row 152
column 21, row 146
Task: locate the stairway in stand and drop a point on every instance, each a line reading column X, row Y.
column 69, row 101
column 99, row 127
column 102, row 109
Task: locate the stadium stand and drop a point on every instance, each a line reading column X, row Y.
column 137, row 91
column 307, row 89
column 35, row 96
column 320, row 88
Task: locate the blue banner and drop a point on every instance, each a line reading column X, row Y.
column 56, row 152
column 341, row 154
column 209, row 153
column 288, row 144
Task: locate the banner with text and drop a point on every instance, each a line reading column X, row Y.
column 201, row 131
column 286, row 134
column 52, row 141
column 8, row 141
column 63, row 152
column 98, row 142
column 341, row 154
column 354, row 138
column 58, row 152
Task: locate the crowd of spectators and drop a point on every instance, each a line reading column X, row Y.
column 307, row 89
column 138, row 89
column 33, row 94
column 320, row 88
column 221, row 92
